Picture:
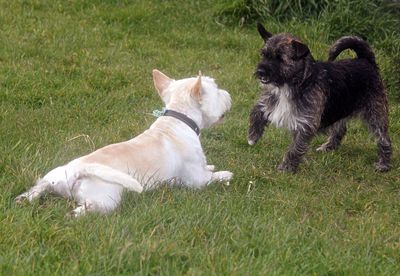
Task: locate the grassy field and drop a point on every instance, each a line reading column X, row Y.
column 76, row 75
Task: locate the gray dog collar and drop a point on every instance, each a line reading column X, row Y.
column 182, row 117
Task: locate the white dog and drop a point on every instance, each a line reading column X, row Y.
column 168, row 152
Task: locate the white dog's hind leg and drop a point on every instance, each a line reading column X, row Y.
column 99, row 206
column 110, row 175
column 96, row 195
column 90, row 206
column 80, row 210
column 54, row 181
column 41, row 187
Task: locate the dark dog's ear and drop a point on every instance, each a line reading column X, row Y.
column 301, row 49
column 263, row 32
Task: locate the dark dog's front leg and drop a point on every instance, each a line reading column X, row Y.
column 257, row 123
column 296, row 151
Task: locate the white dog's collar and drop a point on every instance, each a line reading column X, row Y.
column 180, row 116
column 183, row 118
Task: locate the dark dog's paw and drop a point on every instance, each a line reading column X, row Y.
column 326, row 147
column 287, row 167
column 251, row 142
column 253, row 137
column 256, row 127
column 382, row 167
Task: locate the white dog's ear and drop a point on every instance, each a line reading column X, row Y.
column 161, row 81
column 196, row 88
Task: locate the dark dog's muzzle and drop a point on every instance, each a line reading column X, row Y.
column 261, row 74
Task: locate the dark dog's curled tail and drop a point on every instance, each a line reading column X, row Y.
column 354, row 43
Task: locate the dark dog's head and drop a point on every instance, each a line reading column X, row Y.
column 284, row 59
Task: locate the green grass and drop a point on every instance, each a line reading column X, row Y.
column 76, row 75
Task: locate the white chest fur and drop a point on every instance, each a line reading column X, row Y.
column 283, row 113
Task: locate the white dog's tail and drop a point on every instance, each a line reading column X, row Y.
column 111, row 175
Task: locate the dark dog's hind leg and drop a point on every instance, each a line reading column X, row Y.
column 384, row 148
column 377, row 120
column 257, row 123
column 336, row 134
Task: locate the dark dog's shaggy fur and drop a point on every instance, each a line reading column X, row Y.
column 307, row 96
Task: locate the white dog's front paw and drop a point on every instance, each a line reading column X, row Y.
column 222, row 176
column 211, row 168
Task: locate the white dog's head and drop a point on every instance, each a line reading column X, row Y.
column 198, row 98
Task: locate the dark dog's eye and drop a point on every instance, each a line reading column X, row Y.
column 266, row 55
column 263, row 54
column 270, row 56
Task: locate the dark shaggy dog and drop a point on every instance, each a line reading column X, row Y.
column 308, row 96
